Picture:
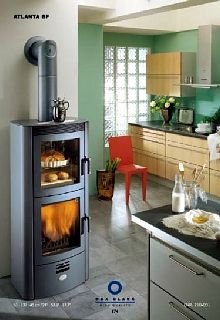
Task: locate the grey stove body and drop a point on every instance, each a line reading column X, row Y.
column 49, row 206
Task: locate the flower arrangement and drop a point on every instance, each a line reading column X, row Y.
column 164, row 103
column 111, row 165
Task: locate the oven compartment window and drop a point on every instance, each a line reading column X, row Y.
column 60, row 162
column 60, row 226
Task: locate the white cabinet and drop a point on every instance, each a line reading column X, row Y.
column 165, row 307
column 185, row 279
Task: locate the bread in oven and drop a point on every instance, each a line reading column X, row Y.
column 51, row 177
column 62, row 175
column 52, row 155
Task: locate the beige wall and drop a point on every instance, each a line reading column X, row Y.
column 18, row 80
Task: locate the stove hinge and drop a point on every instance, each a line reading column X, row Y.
column 83, row 165
column 84, row 220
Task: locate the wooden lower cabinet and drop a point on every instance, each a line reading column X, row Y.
column 215, row 182
column 149, row 149
column 162, row 151
column 172, row 169
column 192, row 152
column 215, row 177
column 154, row 163
column 187, row 153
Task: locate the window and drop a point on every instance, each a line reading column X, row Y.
column 125, row 97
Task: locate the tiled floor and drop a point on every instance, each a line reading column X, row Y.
column 117, row 252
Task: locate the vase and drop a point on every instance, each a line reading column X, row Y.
column 167, row 115
column 105, row 182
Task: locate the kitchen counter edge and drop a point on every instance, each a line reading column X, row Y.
column 173, row 241
column 158, row 125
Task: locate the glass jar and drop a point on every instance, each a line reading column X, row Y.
column 178, row 196
column 191, row 194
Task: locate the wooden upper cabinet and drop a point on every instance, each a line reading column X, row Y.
column 165, row 71
column 164, row 63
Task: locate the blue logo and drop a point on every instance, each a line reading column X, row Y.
column 114, row 287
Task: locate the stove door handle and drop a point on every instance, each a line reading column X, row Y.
column 88, row 222
column 83, row 164
column 84, row 219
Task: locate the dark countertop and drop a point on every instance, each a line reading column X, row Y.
column 186, row 130
column 206, row 250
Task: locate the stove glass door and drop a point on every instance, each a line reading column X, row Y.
column 60, row 226
column 58, row 163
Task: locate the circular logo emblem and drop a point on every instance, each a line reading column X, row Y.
column 114, row 287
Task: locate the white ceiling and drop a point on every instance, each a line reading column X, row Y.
column 149, row 16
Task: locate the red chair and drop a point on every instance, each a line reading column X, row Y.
column 121, row 147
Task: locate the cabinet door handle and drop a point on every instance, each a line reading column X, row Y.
column 174, row 307
column 171, row 257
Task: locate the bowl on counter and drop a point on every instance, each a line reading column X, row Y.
column 203, row 127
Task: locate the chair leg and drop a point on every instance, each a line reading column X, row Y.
column 127, row 187
column 144, row 184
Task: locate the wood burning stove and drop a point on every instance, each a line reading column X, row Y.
column 49, row 206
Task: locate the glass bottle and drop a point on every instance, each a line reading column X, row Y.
column 178, row 195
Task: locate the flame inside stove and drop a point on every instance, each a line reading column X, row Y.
column 58, row 219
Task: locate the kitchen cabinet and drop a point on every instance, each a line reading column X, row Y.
column 149, row 149
column 162, row 151
column 191, row 152
column 193, row 283
column 183, row 271
column 168, row 308
column 215, row 177
column 165, row 71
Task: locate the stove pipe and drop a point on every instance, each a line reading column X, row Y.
column 43, row 53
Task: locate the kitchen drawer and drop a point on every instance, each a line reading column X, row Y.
column 154, row 133
column 187, row 140
column 187, row 153
column 172, row 167
column 149, row 145
column 165, row 307
column 186, row 280
column 141, row 131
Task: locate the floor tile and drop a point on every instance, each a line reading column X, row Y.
column 108, row 314
column 117, row 252
column 82, row 305
column 100, row 275
column 46, row 308
column 7, row 310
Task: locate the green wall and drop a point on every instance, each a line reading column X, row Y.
column 125, row 39
column 206, row 101
column 180, row 41
column 90, row 92
column 91, row 41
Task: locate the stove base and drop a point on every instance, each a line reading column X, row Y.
column 58, row 277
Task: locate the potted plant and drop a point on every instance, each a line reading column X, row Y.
column 214, row 120
column 105, row 179
column 165, row 105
